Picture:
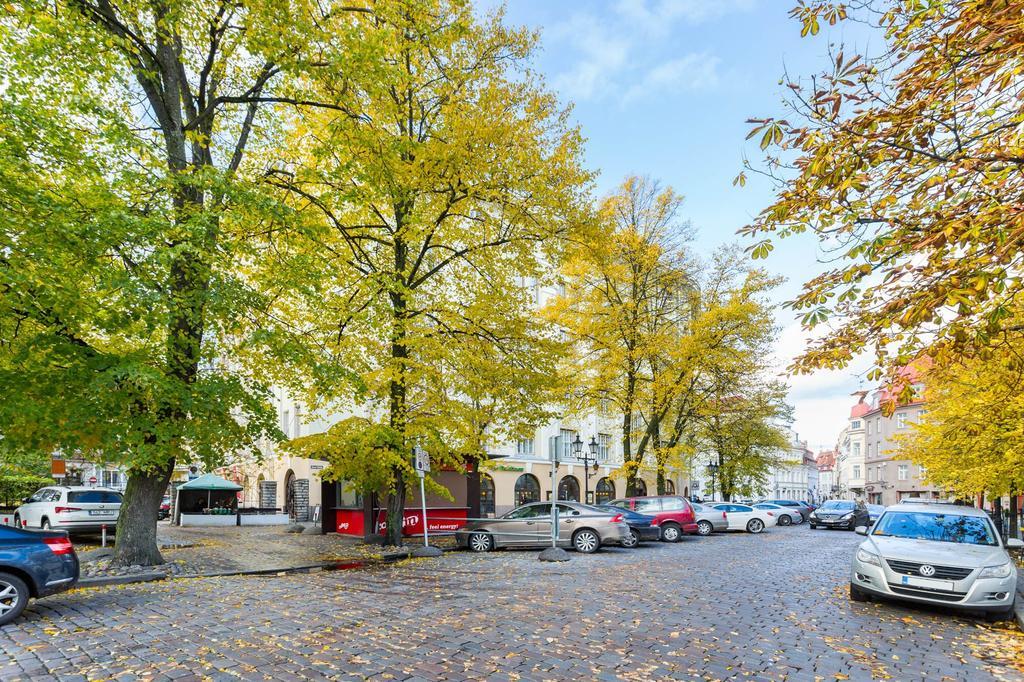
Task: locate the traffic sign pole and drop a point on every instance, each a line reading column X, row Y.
column 423, row 502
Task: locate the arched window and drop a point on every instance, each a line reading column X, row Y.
column 641, row 487
column 670, row 487
column 569, row 489
column 605, row 491
column 527, row 489
column 487, row 495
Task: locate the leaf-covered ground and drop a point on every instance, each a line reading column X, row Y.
column 767, row 607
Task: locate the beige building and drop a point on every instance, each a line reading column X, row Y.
column 868, row 465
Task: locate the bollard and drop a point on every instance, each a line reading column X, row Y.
column 103, row 541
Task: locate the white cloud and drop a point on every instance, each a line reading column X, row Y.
column 821, row 400
column 603, row 54
column 620, row 53
column 692, row 72
column 656, row 17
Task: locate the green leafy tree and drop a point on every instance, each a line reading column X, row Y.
column 131, row 150
column 742, row 434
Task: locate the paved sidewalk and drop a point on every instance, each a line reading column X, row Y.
column 240, row 549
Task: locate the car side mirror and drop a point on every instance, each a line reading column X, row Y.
column 861, row 530
column 1014, row 543
column 26, row 500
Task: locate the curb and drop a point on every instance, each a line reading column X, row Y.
column 1018, row 608
column 100, row 581
column 340, row 565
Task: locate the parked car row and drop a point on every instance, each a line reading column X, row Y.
column 625, row 522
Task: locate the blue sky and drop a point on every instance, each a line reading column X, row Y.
column 663, row 88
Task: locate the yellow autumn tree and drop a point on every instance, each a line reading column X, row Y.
column 656, row 334
column 443, row 174
column 972, row 439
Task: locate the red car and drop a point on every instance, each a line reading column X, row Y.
column 674, row 514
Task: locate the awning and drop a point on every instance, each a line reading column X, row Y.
column 209, row 482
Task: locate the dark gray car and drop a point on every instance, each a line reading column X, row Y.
column 804, row 508
column 580, row 526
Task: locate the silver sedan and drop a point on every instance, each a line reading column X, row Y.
column 580, row 526
column 709, row 519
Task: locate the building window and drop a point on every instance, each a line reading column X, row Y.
column 527, row 489
column 867, row 450
column 868, row 424
column 486, row 495
column 901, row 472
column 569, row 489
column 566, row 437
column 901, row 420
column 856, row 449
column 641, row 487
column 855, row 424
column 856, row 471
column 605, row 491
column 524, row 447
column 670, row 487
column 604, row 446
column 878, row 426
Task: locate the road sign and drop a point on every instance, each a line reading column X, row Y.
column 422, row 460
column 92, row 480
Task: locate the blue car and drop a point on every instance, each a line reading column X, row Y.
column 641, row 526
column 33, row 563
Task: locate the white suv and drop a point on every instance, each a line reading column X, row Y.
column 70, row 508
column 943, row 554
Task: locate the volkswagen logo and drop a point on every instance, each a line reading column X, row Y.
column 927, row 571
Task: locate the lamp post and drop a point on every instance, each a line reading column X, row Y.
column 588, row 458
column 712, row 469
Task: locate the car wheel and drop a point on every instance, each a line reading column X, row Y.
column 784, row 520
column 705, row 528
column 631, row 540
column 586, row 541
column 755, row 526
column 45, row 524
column 17, row 521
column 1000, row 615
column 671, row 533
column 13, row 597
column 857, row 594
column 481, row 542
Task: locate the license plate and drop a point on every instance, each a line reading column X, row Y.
column 925, row 582
column 101, row 512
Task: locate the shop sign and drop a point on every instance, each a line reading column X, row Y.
column 438, row 519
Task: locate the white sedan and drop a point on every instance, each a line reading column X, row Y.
column 746, row 517
column 785, row 516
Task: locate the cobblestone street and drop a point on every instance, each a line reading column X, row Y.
column 772, row 606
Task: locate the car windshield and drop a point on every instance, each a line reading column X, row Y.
column 938, row 527
column 837, row 504
column 100, row 496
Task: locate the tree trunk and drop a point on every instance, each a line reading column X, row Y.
column 397, row 398
column 135, row 543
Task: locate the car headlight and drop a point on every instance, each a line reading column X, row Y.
column 866, row 557
column 847, row 515
column 814, row 514
column 1000, row 571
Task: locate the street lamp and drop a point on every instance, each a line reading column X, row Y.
column 712, row 469
column 587, row 458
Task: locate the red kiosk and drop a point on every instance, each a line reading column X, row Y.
column 351, row 513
